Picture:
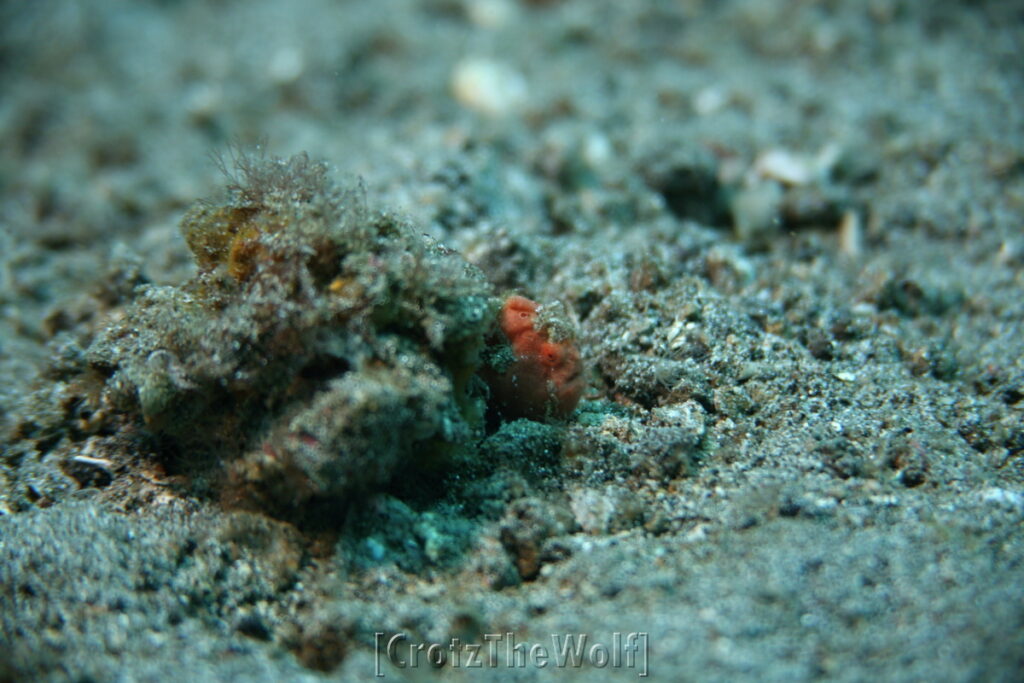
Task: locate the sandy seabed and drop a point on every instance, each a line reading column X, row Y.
column 786, row 238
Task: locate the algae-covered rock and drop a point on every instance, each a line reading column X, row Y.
column 320, row 348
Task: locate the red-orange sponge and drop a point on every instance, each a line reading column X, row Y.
column 546, row 377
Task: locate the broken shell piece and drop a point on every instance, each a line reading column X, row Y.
column 795, row 169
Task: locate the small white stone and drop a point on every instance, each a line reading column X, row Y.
column 286, row 65
column 696, row 534
column 488, row 86
column 597, row 149
column 796, row 169
column 864, row 308
column 1006, row 254
column 850, row 234
column 490, row 13
column 710, row 100
column 203, row 100
column 784, row 166
column 756, row 210
column 674, row 336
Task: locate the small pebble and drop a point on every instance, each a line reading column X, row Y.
column 490, row 13
column 488, row 86
column 850, row 234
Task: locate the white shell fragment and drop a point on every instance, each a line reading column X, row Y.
column 795, row 169
column 488, row 86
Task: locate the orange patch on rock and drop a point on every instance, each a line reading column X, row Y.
column 546, row 378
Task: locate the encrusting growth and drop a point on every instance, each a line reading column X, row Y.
column 545, row 377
